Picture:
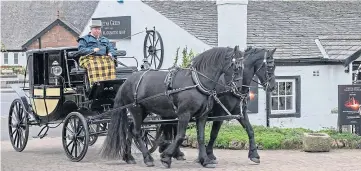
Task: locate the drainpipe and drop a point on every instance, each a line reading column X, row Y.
column 39, row 40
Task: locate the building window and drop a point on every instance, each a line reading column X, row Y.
column 285, row 99
column 6, row 58
column 16, row 58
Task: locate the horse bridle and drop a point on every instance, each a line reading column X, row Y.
column 269, row 67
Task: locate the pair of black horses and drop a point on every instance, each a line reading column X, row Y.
column 216, row 83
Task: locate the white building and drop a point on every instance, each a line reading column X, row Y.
column 312, row 41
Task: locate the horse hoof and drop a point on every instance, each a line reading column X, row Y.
column 165, row 164
column 180, row 158
column 131, row 162
column 149, row 164
column 256, row 160
column 212, row 165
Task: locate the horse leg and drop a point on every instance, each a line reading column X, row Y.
column 252, row 153
column 169, row 133
column 216, row 126
column 202, row 156
column 166, row 156
column 139, row 116
column 128, row 157
column 166, row 137
column 178, row 155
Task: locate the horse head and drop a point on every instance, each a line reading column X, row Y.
column 218, row 60
column 262, row 64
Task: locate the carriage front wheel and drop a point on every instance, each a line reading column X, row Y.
column 18, row 125
column 75, row 136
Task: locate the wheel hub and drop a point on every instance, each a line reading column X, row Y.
column 151, row 50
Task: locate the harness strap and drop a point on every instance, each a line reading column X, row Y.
column 196, row 81
column 169, row 85
column 136, row 88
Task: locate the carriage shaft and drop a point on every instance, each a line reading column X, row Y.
column 175, row 121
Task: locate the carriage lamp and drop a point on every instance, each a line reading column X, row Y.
column 56, row 69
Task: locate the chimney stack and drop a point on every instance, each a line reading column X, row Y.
column 232, row 23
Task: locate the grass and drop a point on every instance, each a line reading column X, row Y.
column 234, row 136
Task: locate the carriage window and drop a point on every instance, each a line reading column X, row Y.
column 283, row 98
column 6, row 58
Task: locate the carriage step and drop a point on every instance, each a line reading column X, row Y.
column 175, row 121
column 41, row 136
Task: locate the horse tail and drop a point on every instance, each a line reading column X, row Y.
column 115, row 142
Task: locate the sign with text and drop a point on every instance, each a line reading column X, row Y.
column 252, row 106
column 349, row 99
column 116, row 27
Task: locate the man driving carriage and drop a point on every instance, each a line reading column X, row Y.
column 97, row 54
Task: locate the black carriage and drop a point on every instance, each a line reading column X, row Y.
column 59, row 93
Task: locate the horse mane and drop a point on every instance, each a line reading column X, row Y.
column 252, row 51
column 212, row 57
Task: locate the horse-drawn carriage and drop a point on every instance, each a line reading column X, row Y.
column 139, row 100
column 59, row 92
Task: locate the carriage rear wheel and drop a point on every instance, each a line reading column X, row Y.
column 18, row 125
column 93, row 129
column 75, row 136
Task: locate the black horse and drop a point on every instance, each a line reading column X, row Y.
column 191, row 97
column 258, row 62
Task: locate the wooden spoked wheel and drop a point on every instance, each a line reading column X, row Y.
column 153, row 49
column 93, row 128
column 18, row 125
column 150, row 134
column 75, row 136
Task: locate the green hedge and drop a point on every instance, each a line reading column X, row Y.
column 234, row 136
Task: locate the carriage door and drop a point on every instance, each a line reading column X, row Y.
column 46, row 95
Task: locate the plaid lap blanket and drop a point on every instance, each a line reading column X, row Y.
column 99, row 68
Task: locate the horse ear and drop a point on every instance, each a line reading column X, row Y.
column 236, row 48
column 274, row 50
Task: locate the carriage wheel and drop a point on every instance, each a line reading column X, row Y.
column 153, row 49
column 148, row 136
column 94, row 128
column 98, row 127
column 18, row 125
column 75, row 136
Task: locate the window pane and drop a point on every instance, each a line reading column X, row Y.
column 275, row 91
column 16, row 58
column 289, row 103
column 282, row 102
column 289, row 88
column 282, row 88
column 274, row 103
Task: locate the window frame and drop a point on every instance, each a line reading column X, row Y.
column 16, row 56
column 6, row 58
column 296, row 111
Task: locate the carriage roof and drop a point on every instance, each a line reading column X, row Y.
column 42, row 50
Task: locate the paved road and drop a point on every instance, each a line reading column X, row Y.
column 5, row 100
column 47, row 154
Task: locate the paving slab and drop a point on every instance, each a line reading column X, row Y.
column 47, row 154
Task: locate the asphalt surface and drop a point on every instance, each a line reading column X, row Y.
column 47, row 154
column 5, row 100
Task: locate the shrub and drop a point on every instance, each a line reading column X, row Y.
column 232, row 136
column 186, row 58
